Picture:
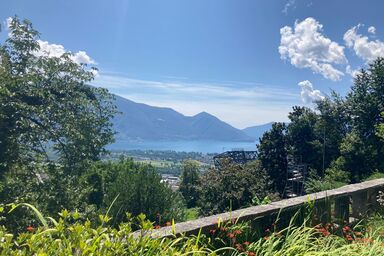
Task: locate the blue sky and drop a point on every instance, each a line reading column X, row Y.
column 247, row 62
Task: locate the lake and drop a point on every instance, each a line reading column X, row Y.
column 203, row 146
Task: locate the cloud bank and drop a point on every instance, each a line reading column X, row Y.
column 306, row 47
column 366, row 49
column 57, row 50
column 308, row 93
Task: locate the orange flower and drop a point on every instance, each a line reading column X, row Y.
column 156, row 227
column 30, row 229
column 237, row 232
column 239, row 247
column 246, row 243
column 231, row 235
column 251, row 254
column 349, row 238
column 358, row 234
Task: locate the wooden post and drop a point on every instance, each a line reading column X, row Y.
column 359, row 204
column 372, row 202
column 322, row 212
column 342, row 209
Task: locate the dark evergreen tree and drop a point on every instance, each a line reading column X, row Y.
column 272, row 155
column 190, row 180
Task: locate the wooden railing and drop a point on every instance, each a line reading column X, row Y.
column 343, row 204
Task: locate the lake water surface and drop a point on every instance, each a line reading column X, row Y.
column 186, row 146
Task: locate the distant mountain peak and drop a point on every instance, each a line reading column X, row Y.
column 143, row 122
column 204, row 114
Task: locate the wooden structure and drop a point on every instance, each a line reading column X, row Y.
column 296, row 175
column 235, row 156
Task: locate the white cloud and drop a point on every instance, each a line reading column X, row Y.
column 372, row 30
column 352, row 72
column 308, row 94
column 197, row 90
column 306, row 47
column 366, row 49
column 288, row 5
column 8, row 22
column 57, row 50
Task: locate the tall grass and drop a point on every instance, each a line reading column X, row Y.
column 70, row 235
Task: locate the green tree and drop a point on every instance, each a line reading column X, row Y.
column 380, row 128
column 232, row 187
column 362, row 149
column 304, row 144
column 139, row 189
column 46, row 105
column 273, row 156
column 190, row 181
column 331, row 128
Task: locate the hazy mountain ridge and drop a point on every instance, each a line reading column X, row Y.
column 258, row 130
column 139, row 121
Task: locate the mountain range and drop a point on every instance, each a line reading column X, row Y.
column 141, row 122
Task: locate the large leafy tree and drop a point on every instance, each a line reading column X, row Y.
column 362, row 149
column 232, row 186
column 304, row 144
column 272, row 154
column 380, row 128
column 330, row 128
column 190, row 181
column 46, row 105
column 137, row 188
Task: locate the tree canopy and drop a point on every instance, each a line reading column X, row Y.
column 46, row 105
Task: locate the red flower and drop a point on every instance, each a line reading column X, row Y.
column 349, row 238
column 251, row 254
column 30, row 229
column 346, row 229
column 156, row 227
column 231, row 235
column 246, row 243
column 237, row 232
column 212, row 231
column 239, row 247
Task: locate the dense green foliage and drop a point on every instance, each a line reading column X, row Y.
column 46, row 105
column 190, row 181
column 232, row 187
column 340, row 140
column 137, row 188
column 53, row 131
column 273, row 156
column 380, row 128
